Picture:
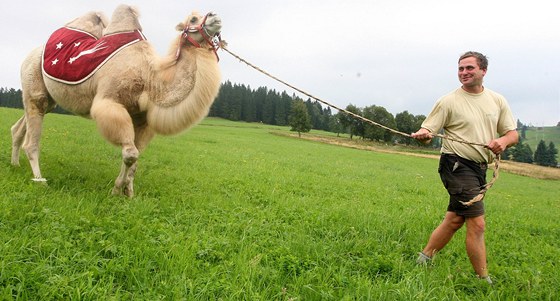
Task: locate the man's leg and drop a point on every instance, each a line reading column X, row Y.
column 443, row 233
column 476, row 248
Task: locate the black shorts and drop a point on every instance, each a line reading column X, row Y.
column 463, row 180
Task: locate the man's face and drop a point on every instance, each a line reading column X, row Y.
column 470, row 74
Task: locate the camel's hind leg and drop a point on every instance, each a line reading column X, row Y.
column 115, row 124
column 34, row 127
column 37, row 103
column 18, row 134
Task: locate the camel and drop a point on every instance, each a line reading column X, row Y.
column 135, row 95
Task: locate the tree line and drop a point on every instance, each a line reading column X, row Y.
column 11, row 98
column 544, row 155
column 238, row 102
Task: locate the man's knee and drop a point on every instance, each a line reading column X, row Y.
column 476, row 225
column 456, row 225
column 453, row 222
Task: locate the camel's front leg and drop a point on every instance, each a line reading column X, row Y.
column 143, row 135
column 115, row 124
column 124, row 184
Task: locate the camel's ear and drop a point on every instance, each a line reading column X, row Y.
column 180, row 27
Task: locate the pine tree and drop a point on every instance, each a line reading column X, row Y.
column 269, row 105
column 522, row 153
column 551, row 155
column 540, row 156
column 299, row 118
column 506, row 155
column 523, row 129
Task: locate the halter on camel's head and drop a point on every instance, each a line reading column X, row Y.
column 193, row 26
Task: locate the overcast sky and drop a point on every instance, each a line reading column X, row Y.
column 399, row 54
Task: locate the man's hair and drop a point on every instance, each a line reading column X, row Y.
column 481, row 59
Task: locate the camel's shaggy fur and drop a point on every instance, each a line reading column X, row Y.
column 134, row 96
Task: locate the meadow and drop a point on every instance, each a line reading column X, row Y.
column 232, row 211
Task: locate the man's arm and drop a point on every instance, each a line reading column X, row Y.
column 422, row 135
column 498, row 146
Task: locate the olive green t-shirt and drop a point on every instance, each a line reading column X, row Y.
column 477, row 118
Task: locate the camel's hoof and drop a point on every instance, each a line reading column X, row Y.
column 116, row 191
column 40, row 180
column 129, row 193
column 123, row 192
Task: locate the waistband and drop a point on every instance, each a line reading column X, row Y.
column 480, row 164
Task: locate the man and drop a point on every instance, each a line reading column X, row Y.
column 476, row 114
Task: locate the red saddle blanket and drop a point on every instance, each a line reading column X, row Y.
column 71, row 56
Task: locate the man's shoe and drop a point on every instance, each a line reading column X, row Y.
column 487, row 279
column 423, row 259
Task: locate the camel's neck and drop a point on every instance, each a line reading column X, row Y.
column 178, row 80
column 186, row 92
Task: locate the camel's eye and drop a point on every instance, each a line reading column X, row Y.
column 194, row 20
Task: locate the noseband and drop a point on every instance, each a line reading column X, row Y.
column 213, row 41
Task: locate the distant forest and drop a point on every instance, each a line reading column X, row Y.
column 11, row 98
column 239, row 102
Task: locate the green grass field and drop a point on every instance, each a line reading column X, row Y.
column 228, row 211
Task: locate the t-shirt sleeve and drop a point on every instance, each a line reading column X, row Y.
column 436, row 119
column 506, row 122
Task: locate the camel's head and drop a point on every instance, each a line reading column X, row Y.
column 200, row 29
